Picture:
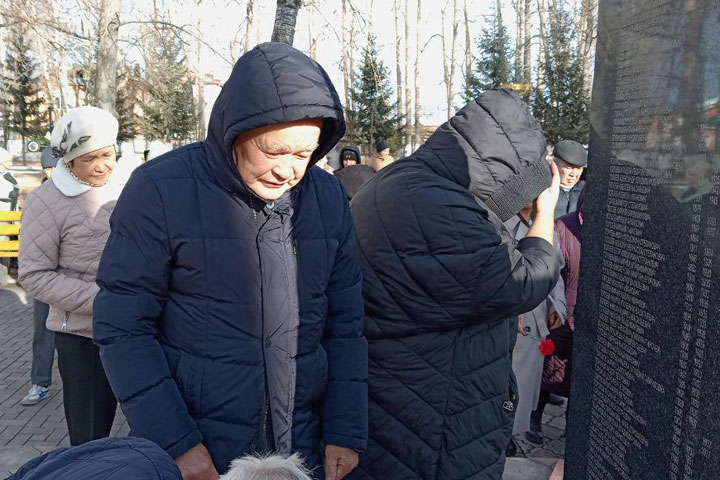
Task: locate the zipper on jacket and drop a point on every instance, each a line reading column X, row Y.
column 63, row 327
column 264, row 443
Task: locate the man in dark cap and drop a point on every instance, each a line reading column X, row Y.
column 382, row 154
column 571, row 160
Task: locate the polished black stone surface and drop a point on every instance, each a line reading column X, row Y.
column 645, row 400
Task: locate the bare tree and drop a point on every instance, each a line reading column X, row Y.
column 543, row 52
column 106, row 71
column 286, row 12
column 346, row 58
column 587, row 34
column 398, row 71
column 527, row 43
column 249, row 10
column 416, row 136
column 408, row 133
column 449, row 63
column 519, row 37
column 468, row 54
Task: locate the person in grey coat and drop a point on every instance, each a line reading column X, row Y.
column 533, row 327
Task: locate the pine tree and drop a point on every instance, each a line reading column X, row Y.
column 492, row 67
column 561, row 103
column 23, row 103
column 128, row 85
column 168, row 106
column 373, row 115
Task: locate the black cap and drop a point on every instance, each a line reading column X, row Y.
column 572, row 152
column 381, row 145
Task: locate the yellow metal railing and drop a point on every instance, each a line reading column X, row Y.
column 9, row 248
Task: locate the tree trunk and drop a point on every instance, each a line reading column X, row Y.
column 249, row 10
column 200, row 83
column 312, row 31
column 468, row 54
column 398, row 70
column 351, row 55
column 416, row 136
column 408, row 133
column 346, row 59
column 106, row 70
column 586, row 40
column 519, row 39
column 543, row 52
column 527, row 45
column 285, row 18
column 449, row 66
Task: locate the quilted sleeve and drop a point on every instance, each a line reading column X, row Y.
column 38, row 262
column 345, row 416
column 133, row 277
column 459, row 268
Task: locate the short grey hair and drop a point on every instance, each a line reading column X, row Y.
column 269, row 467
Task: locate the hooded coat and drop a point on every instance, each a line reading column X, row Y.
column 354, row 176
column 104, row 459
column 228, row 320
column 443, row 278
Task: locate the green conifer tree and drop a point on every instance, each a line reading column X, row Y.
column 128, row 85
column 561, row 104
column 373, row 114
column 168, row 105
column 21, row 85
column 492, row 66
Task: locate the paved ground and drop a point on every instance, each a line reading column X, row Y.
column 27, row 431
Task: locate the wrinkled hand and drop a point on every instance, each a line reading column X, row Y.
column 339, row 461
column 521, row 326
column 546, row 201
column 554, row 321
column 196, row 464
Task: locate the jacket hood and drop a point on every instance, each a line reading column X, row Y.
column 351, row 148
column 494, row 148
column 273, row 83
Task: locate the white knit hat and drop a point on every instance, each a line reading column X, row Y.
column 83, row 130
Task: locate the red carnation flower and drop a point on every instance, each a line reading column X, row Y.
column 547, row 347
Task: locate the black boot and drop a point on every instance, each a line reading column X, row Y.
column 556, row 400
column 535, row 434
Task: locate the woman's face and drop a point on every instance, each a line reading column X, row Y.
column 95, row 167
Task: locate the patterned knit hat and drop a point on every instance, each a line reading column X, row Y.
column 83, row 130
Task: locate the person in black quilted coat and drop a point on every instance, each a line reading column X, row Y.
column 443, row 283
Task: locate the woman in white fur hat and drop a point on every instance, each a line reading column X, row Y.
column 65, row 225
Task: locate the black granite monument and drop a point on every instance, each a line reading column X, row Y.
column 645, row 400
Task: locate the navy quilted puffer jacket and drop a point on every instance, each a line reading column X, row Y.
column 226, row 319
column 443, row 280
column 105, row 459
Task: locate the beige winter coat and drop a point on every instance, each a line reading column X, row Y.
column 61, row 240
column 382, row 161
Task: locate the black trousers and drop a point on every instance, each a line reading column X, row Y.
column 87, row 397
